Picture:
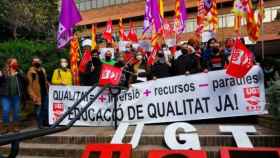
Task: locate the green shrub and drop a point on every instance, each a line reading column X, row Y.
column 274, row 100
column 24, row 50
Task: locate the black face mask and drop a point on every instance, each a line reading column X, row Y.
column 121, row 62
column 94, row 57
column 184, row 51
column 215, row 50
column 37, row 65
column 107, row 58
column 160, row 55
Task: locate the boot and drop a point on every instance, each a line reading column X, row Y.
column 14, row 127
column 4, row 129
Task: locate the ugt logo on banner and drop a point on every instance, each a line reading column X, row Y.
column 252, row 97
column 110, row 75
column 58, row 109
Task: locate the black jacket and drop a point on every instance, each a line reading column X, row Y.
column 160, row 70
column 184, row 63
column 4, row 85
column 90, row 77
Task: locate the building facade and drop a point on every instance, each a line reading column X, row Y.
column 99, row 11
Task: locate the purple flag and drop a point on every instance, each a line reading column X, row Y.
column 156, row 14
column 180, row 16
column 183, row 15
column 207, row 5
column 148, row 19
column 69, row 17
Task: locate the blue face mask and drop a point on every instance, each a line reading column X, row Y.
column 161, row 60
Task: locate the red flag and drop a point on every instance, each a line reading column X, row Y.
column 241, row 60
column 110, row 75
column 123, row 36
column 173, row 50
column 86, row 58
column 107, row 34
column 167, row 31
column 156, row 48
column 132, row 36
column 201, row 12
column 152, row 57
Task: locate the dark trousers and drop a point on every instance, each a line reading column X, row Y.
column 42, row 112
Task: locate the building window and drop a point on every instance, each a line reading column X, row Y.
column 139, row 31
column 118, row 1
column 267, row 15
column 222, row 21
column 275, row 14
column 230, row 20
column 99, row 3
column 83, row 6
column 90, row 4
column 106, row 3
column 93, row 4
column 190, row 25
column 112, row 2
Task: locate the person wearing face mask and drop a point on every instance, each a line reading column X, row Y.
column 38, row 90
column 108, row 58
column 186, row 63
column 212, row 57
column 93, row 69
column 160, row 69
column 127, row 71
column 128, row 53
column 138, row 69
column 11, row 92
column 167, row 54
column 62, row 75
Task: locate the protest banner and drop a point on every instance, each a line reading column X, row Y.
column 180, row 98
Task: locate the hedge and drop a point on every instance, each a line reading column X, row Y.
column 24, row 50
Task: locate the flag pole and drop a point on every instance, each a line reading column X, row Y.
column 223, row 34
column 262, row 42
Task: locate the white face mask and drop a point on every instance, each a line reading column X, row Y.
column 64, row 65
column 139, row 57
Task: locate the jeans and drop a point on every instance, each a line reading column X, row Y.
column 8, row 103
column 42, row 112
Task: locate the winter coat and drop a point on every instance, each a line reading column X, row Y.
column 184, row 63
column 4, row 84
column 212, row 60
column 160, row 70
column 34, row 87
column 90, row 77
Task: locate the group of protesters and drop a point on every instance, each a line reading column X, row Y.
column 187, row 58
column 184, row 59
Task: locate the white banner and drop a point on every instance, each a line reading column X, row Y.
column 180, row 98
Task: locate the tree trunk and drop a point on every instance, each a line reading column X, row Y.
column 15, row 32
